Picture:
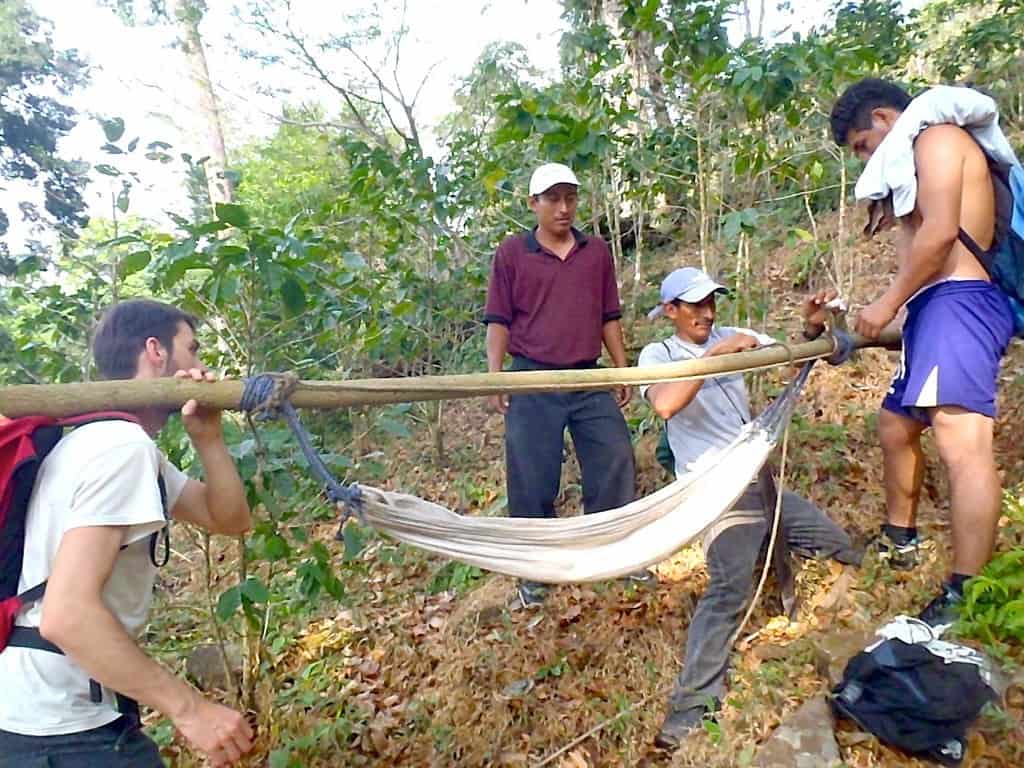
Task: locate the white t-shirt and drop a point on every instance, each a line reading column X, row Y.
column 720, row 408
column 103, row 473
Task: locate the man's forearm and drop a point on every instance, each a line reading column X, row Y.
column 97, row 642
column 927, row 252
column 670, row 397
column 226, row 503
column 497, row 346
column 611, row 333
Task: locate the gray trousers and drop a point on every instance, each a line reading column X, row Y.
column 534, row 443
column 732, row 547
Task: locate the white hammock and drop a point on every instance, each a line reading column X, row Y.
column 602, row 545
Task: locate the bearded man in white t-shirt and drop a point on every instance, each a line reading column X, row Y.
column 703, row 417
column 94, row 510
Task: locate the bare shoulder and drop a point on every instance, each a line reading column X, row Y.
column 942, row 139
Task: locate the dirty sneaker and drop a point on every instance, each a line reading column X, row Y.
column 904, row 556
column 530, row 594
column 942, row 612
column 681, row 723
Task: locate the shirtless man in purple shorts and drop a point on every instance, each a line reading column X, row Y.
column 957, row 328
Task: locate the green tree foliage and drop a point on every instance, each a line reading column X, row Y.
column 354, row 248
column 35, row 80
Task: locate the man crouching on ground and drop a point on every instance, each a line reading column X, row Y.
column 704, row 416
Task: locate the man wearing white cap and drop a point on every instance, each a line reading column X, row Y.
column 703, row 417
column 552, row 303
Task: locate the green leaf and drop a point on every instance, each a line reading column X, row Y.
column 280, row 758
column 134, row 262
column 255, row 590
column 106, row 170
column 112, row 149
column 394, row 427
column 211, row 227
column 113, row 128
column 235, row 215
column 123, row 197
column 122, row 240
column 133, row 144
column 353, row 260
column 803, row 234
column 294, row 296
column 276, row 548
column 355, row 540
column 228, row 603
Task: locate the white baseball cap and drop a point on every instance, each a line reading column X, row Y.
column 549, row 174
column 688, row 284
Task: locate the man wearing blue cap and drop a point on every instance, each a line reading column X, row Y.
column 703, row 417
column 552, row 303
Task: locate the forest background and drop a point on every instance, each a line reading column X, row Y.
column 355, row 240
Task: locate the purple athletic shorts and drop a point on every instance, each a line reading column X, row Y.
column 955, row 334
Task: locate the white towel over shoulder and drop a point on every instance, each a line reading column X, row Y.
column 891, row 168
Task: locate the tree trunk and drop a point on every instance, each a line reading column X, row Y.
column 188, row 16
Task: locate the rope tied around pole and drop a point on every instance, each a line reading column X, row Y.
column 266, row 397
column 843, row 347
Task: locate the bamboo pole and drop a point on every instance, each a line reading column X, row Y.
column 59, row 400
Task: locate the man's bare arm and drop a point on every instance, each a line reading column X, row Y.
column 77, row 620
column 611, row 334
column 497, row 348
column 219, row 504
column 670, row 397
column 939, row 159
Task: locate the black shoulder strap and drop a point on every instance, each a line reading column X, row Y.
column 976, row 250
column 156, row 536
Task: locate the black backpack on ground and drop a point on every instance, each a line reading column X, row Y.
column 913, row 699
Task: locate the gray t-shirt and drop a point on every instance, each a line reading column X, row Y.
column 719, row 410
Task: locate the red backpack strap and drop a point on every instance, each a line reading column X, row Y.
column 88, row 418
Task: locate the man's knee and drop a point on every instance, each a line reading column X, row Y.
column 897, row 433
column 963, row 438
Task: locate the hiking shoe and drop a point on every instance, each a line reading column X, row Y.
column 641, row 578
column 942, row 612
column 681, row 723
column 530, row 594
column 900, row 557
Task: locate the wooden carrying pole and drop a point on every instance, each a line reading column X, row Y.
column 60, row 400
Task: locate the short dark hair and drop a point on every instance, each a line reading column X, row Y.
column 122, row 332
column 854, row 108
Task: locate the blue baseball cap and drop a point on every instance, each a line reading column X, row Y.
column 688, row 284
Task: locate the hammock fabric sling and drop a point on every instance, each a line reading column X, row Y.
column 587, row 548
column 592, row 547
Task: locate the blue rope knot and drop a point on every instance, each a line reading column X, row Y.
column 266, row 397
column 844, row 347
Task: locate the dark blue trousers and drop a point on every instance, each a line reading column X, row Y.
column 534, row 441
column 120, row 744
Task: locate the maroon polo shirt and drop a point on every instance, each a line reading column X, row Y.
column 555, row 309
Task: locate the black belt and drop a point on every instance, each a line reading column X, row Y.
column 537, row 365
column 29, row 637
